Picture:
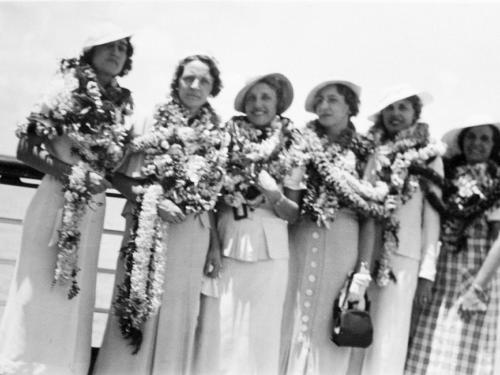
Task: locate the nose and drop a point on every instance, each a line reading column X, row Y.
column 322, row 103
column 195, row 84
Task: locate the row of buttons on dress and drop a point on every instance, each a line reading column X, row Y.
column 311, row 278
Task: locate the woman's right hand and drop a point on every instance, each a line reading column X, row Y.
column 97, row 183
column 170, row 212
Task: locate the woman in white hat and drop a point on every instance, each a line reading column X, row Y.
column 456, row 329
column 75, row 136
column 172, row 181
column 405, row 155
column 252, row 225
column 325, row 242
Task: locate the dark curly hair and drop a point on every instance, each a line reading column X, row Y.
column 86, row 57
column 213, row 69
column 495, row 151
column 350, row 97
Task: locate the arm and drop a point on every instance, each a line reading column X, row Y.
column 431, row 224
column 286, row 208
column 213, row 262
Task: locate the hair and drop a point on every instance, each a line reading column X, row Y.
column 275, row 84
column 495, row 151
column 213, row 69
column 350, row 97
column 415, row 102
column 86, row 57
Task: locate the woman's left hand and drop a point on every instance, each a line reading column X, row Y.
column 268, row 186
column 470, row 303
column 213, row 263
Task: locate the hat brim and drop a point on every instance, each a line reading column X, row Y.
column 286, row 88
column 450, row 138
column 424, row 96
column 105, row 39
column 309, row 105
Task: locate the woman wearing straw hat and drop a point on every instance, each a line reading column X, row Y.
column 405, row 156
column 172, row 180
column 456, row 329
column 252, row 224
column 75, row 136
column 325, row 242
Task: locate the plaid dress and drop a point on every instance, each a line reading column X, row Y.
column 444, row 343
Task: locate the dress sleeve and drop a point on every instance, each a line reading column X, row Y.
column 493, row 214
column 430, row 231
column 296, row 179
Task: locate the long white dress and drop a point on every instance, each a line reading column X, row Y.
column 42, row 331
column 391, row 306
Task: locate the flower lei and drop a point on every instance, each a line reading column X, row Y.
column 402, row 164
column 184, row 162
column 333, row 180
column 276, row 149
column 469, row 192
column 93, row 119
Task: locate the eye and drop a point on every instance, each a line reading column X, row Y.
column 188, row 79
column 485, row 138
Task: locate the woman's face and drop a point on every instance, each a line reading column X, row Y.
column 195, row 85
column 331, row 107
column 477, row 144
column 398, row 116
column 108, row 59
column 261, row 104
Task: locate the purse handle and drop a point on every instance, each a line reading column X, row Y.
column 343, row 305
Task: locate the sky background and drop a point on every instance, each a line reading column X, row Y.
column 448, row 48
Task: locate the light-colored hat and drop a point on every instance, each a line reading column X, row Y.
column 284, row 84
column 312, row 95
column 104, row 33
column 451, row 136
column 397, row 93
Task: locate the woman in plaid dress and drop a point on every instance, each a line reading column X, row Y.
column 456, row 332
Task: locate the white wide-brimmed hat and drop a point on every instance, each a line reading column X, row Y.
column 312, row 95
column 285, row 87
column 451, row 136
column 104, row 33
column 397, row 93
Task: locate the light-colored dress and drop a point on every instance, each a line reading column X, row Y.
column 391, row 305
column 444, row 343
column 252, row 291
column 320, row 262
column 42, row 331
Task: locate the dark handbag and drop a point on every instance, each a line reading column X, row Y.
column 351, row 327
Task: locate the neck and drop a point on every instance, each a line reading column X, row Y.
column 104, row 79
column 333, row 132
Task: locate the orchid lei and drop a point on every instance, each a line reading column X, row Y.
column 276, row 149
column 333, row 180
column 184, row 162
column 394, row 162
column 94, row 120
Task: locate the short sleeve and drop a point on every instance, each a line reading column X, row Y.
column 493, row 214
column 296, row 179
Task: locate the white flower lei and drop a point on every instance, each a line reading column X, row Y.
column 75, row 106
column 411, row 146
column 248, row 155
column 340, row 185
column 184, row 162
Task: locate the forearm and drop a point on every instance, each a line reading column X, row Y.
column 125, row 185
column 214, row 236
column 31, row 152
column 489, row 267
column 367, row 242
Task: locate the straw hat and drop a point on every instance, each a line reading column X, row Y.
column 397, row 93
column 104, row 33
column 312, row 95
column 451, row 136
column 283, row 82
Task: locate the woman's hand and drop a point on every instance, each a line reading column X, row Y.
column 471, row 302
column 96, row 183
column 268, row 186
column 357, row 290
column 170, row 212
column 213, row 263
column 423, row 294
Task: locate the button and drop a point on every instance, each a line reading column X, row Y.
column 309, row 292
column 305, row 318
column 312, row 278
column 307, row 304
column 303, row 328
column 314, row 249
column 314, row 264
column 315, row 235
